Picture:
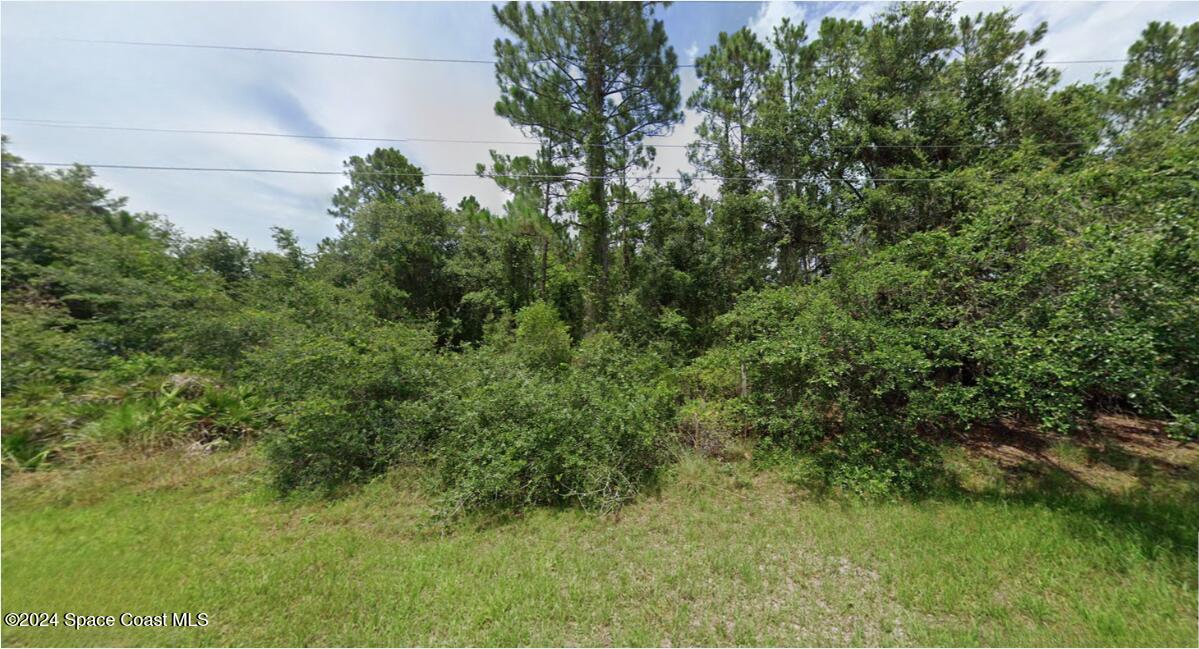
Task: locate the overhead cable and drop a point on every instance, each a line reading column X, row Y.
column 48, row 123
column 400, row 174
column 388, row 57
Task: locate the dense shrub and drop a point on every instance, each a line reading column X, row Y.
column 542, row 339
column 592, row 436
column 354, row 400
column 522, row 420
column 324, row 443
column 1034, row 308
column 40, row 348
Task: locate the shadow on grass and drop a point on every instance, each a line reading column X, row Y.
column 1157, row 505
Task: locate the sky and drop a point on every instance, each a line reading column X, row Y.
column 42, row 77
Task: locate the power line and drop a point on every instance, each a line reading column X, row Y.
column 276, row 50
column 1085, row 61
column 285, row 50
column 485, row 175
column 48, row 123
column 387, row 57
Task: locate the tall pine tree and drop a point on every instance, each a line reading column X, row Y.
column 589, row 79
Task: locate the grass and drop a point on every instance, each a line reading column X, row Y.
column 720, row 555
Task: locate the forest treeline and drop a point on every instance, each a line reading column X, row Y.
column 917, row 231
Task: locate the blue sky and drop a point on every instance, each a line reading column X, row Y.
column 222, row 90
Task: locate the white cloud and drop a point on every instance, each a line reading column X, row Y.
column 275, row 92
column 772, row 14
column 1096, row 30
column 177, row 88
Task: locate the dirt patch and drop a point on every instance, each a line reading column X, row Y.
column 1114, row 453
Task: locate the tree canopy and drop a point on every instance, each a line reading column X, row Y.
column 591, row 81
column 918, row 231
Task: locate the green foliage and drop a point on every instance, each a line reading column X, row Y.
column 220, row 254
column 137, row 402
column 1183, row 428
column 1032, row 309
column 353, row 400
column 395, row 252
column 918, row 232
column 731, row 76
column 230, row 413
column 326, row 443
column 1159, row 85
column 579, row 77
column 592, row 435
column 39, row 348
column 542, row 340
column 384, row 175
column 72, row 256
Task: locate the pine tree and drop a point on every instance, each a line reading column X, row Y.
column 588, row 79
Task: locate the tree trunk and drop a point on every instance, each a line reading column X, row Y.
column 545, row 263
column 597, row 167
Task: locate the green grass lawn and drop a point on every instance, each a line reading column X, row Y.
column 719, row 555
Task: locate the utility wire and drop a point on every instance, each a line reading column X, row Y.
column 275, row 50
column 401, row 174
column 285, row 50
column 49, row 123
column 384, row 57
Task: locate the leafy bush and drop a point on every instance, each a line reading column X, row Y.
column 1183, row 427
column 592, row 436
column 542, row 339
column 39, row 348
column 325, row 443
column 517, row 422
column 1028, row 310
column 354, row 400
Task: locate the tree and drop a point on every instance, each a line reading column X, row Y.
column 1161, row 78
column 540, row 178
column 538, row 187
column 397, row 251
column 384, row 175
column 289, row 247
column 221, row 254
column 731, row 76
column 588, row 80
column 853, row 124
column 396, row 240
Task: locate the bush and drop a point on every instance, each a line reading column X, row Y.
column 1028, row 310
column 39, row 347
column 519, row 421
column 592, row 436
column 542, row 339
column 870, row 461
column 326, row 443
column 355, row 401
